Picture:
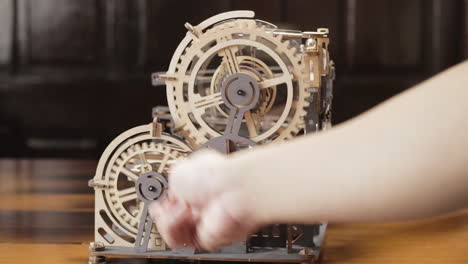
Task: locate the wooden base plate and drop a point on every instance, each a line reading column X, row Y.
column 278, row 255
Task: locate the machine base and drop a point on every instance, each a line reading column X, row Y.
column 277, row 255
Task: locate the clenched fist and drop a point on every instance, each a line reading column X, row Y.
column 205, row 207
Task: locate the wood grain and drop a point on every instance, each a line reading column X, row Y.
column 55, row 226
column 441, row 240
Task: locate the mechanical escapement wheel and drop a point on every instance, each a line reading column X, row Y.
column 206, row 59
column 127, row 164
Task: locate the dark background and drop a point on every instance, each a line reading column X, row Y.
column 76, row 73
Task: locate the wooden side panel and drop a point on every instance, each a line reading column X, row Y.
column 6, row 33
column 63, row 30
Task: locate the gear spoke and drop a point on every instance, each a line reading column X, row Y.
column 203, row 102
column 145, row 166
column 128, row 197
column 129, row 174
column 126, row 191
column 163, row 163
column 230, row 59
column 143, row 159
column 274, row 81
column 251, row 126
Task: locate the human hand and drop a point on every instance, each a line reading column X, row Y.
column 205, row 207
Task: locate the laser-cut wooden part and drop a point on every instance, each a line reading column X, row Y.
column 276, row 59
column 233, row 82
column 118, row 209
column 277, row 255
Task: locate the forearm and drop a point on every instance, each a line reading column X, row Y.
column 405, row 159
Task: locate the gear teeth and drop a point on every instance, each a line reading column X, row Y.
column 278, row 37
column 199, row 142
column 175, row 154
column 136, row 148
column 163, row 148
column 178, row 67
column 298, row 57
column 126, row 218
column 195, row 135
column 251, row 24
column 289, row 136
column 186, row 133
column 145, row 145
column 133, row 222
column 300, row 124
column 123, row 218
column 119, row 161
column 295, row 50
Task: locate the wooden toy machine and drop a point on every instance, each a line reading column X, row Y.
column 234, row 82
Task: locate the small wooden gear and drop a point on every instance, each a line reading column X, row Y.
column 119, row 210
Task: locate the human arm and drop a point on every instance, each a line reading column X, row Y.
column 406, row 158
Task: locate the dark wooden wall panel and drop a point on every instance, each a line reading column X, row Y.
column 63, row 30
column 125, row 35
column 319, row 14
column 130, row 34
column 444, row 24
column 92, row 108
column 165, row 30
column 272, row 11
column 464, row 29
column 81, row 68
column 6, row 33
column 388, row 34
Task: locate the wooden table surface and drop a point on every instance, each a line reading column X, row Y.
column 46, row 216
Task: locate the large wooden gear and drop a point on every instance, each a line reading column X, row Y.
column 233, row 82
column 242, row 45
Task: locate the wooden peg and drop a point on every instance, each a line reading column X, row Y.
column 157, row 128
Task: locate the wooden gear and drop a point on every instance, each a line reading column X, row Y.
column 233, row 82
column 189, row 99
column 118, row 210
